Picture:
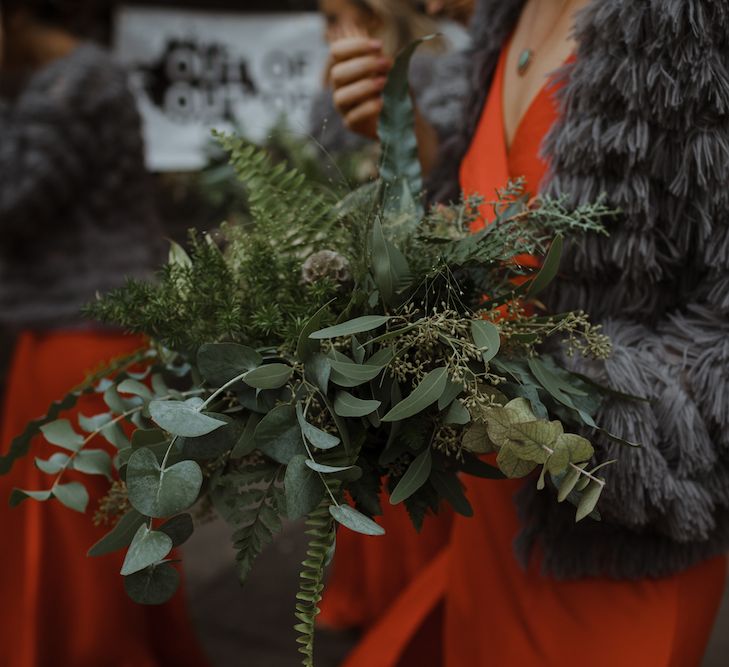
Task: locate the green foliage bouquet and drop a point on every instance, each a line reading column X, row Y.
column 331, row 351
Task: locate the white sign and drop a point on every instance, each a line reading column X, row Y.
column 195, row 70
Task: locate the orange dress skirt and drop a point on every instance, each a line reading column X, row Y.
column 475, row 606
column 369, row 573
column 58, row 607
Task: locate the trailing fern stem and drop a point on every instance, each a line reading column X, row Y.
column 320, row 529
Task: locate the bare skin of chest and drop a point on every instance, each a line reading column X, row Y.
column 545, row 28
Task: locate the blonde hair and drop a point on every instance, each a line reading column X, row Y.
column 402, row 23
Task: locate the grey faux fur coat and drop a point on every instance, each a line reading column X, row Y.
column 76, row 208
column 645, row 121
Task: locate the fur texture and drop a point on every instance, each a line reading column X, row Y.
column 76, row 210
column 645, row 121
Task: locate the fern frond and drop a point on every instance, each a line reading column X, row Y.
column 279, row 196
column 320, row 529
column 251, row 500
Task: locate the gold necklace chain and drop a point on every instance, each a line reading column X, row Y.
column 526, row 56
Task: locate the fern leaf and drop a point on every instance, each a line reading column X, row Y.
column 251, row 500
column 320, row 529
column 280, row 196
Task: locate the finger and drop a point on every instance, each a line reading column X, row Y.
column 369, row 111
column 355, row 69
column 353, row 47
column 354, row 94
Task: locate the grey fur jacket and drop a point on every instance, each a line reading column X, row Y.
column 76, row 209
column 645, row 121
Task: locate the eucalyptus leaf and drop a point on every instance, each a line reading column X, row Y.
column 512, row 465
column 452, row 391
column 423, row 396
column 247, row 441
column 349, row 375
column 219, row 363
column 182, row 419
column 269, row 376
column 347, row 405
column 147, row 547
column 314, row 435
column 317, row 370
column 415, row 476
column 95, row 423
column 307, row 346
column 457, row 413
column 114, row 434
column 19, row 495
column 569, row 481
column 146, row 437
column 120, row 536
column 325, row 469
column 354, row 520
column 61, row 434
column 476, row 439
column 589, row 499
column 530, row 439
column 214, row 444
column 179, row 529
column 278, row 435
column 73, row 495
column 54, row 464
column 487, row 338
column 304, row 489
column 159, row 492
column 134, row 387
column 389, row 266
column 351, row 327
column 154, row 585
column 549, row 269
column 93, row 462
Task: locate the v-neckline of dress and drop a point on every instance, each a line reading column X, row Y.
column 498, row 90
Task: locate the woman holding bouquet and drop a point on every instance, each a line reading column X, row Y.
column 638, row 113
column 75, row 215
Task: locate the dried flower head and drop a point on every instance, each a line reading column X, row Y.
column 326, row 264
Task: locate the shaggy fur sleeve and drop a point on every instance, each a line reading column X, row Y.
column 647, row 123
column 49, row 137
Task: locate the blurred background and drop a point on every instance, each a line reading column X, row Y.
column 257, row 67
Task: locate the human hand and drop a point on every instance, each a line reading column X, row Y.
column 358, row 76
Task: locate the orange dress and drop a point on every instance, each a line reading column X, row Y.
column 476, row 606
column 58, row 607
column 369, row 573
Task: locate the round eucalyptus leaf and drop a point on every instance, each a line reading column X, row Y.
column 211, row 445
column 73, row 495
column 147, row 547
column 61, row 434
column 153, row 585
column 220, row 363
column 161, row 493
column 183, row 419
column 179, row 528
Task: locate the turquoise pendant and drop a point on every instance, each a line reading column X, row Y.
column 525, row 59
